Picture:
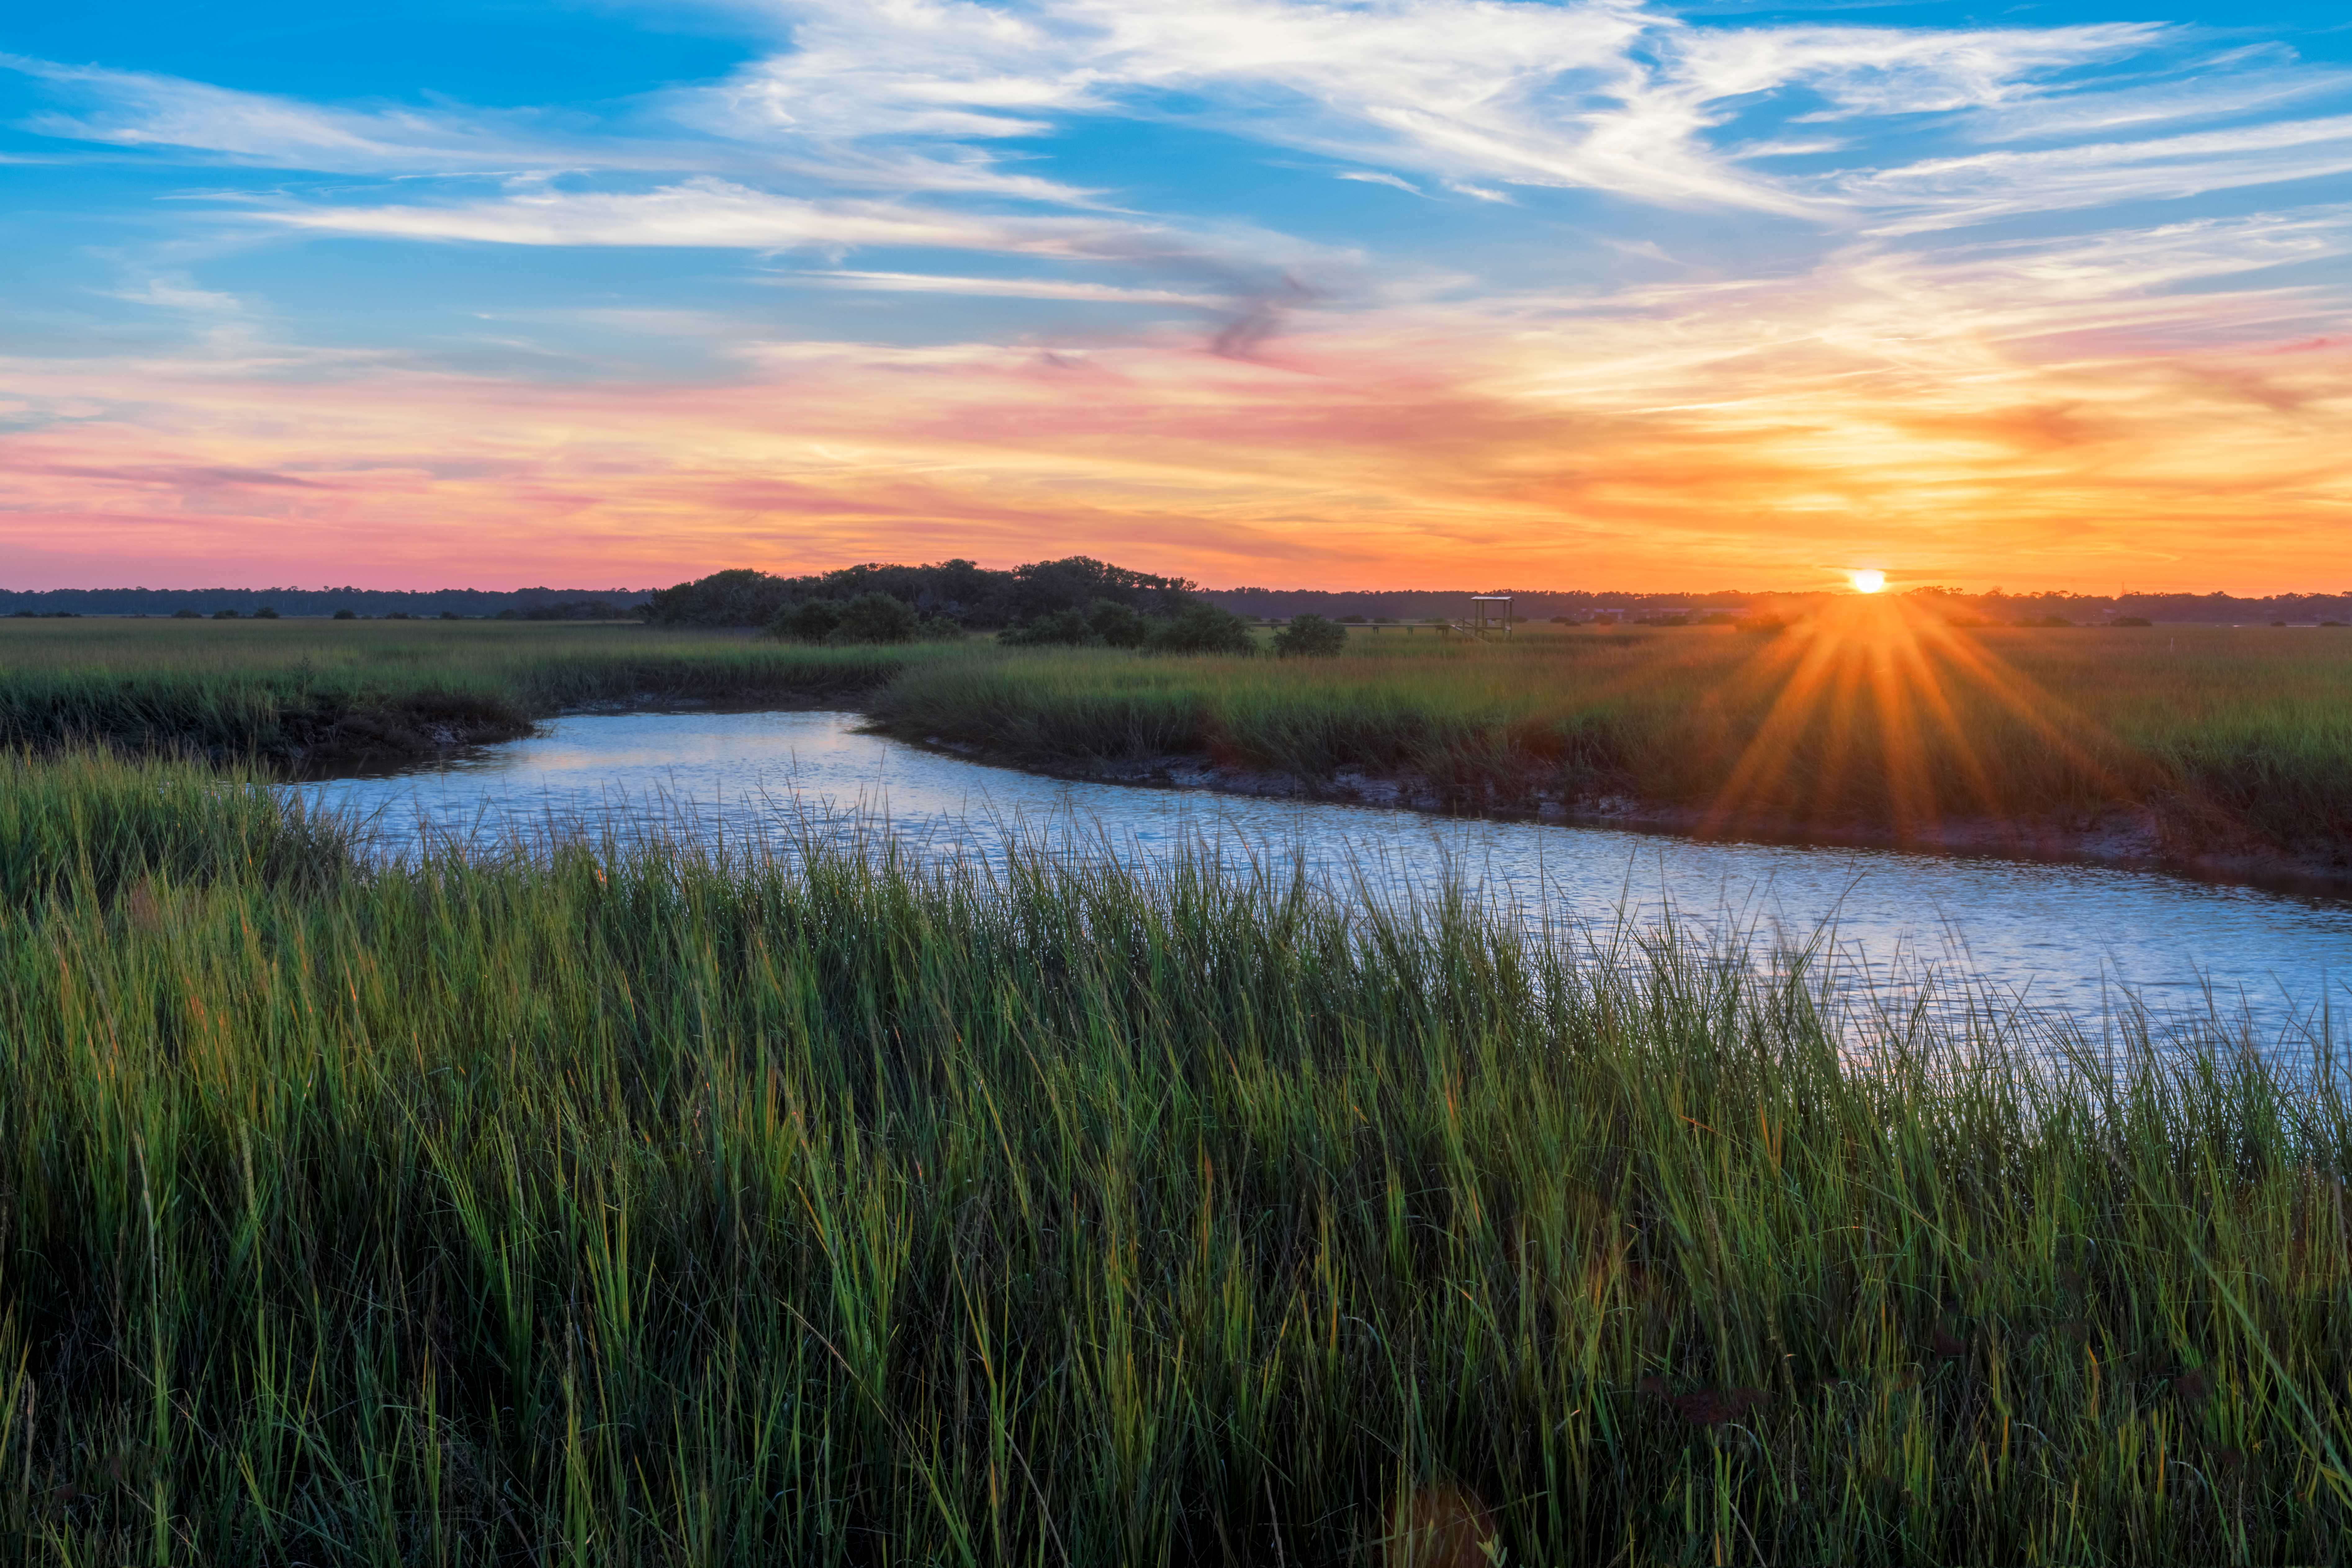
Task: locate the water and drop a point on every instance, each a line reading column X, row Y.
column 2072, row 940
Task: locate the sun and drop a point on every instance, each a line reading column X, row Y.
column 1866, row 580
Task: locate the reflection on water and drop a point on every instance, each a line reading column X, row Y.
column 2072, row 939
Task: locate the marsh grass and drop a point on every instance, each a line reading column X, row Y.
column 2218, row 733
column 355, row 692
column 2223, row 737
column 653, row 1207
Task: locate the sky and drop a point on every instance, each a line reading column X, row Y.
column 1413, row 293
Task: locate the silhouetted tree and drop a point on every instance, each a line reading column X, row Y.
column 1104, row 624
column 876, row 618
column 971, row 595
column 1202, row 628
column 812, row 621
column 1310, row 637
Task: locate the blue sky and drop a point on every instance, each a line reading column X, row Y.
column 1280, row 291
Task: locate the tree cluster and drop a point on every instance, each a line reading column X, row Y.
column 435, row 604
column 867, row 618
column 973, row 597
column 1103, row 623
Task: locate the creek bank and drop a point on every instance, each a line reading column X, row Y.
column 2132, row 839
column 436, row 728
column 398, row 734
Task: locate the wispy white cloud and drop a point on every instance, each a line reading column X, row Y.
column 917, row 97
column 1476, row 94
column 1462, row 89
column 1878, row 330
column 1943, row 193
column 156, row 113
column 1009, row 288
column 2240, row 83
column 1882, row 71
column 708, row 212
column 1254, row 281
column 1235, row 264
column 1372, row 177
column 930, row 125
column 179, row 294
column 142, row 110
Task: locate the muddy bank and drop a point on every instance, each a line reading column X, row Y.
column 398, row 734
column 2127, row 838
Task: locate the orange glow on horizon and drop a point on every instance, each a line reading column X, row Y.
column 1866, row 580
column 1404, row 451
column 1879, row 699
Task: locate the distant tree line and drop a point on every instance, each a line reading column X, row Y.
column 325, row 602
column 1999, row 608
column 1994, row 606
column 976, row 598
column 1453, row 605
column 573, row 610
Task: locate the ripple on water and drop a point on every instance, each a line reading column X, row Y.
column 2073, row 940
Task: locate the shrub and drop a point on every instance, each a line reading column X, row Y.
column 346, row 614
column 1103, row 623
column 1063, row 628
column 186, row 615
column 1118, row 625
column 811, row 620
column 867, row 618
column 265, row 614
column 1202, row 627
column 224, row 614
column 2131, row 621
column 876, row 618
column 451, row 616
column 1310, row 637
